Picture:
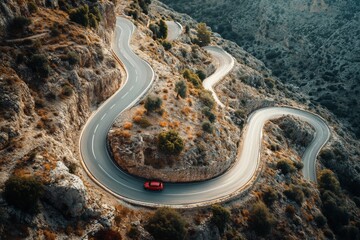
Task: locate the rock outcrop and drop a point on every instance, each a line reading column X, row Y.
column 66, row 192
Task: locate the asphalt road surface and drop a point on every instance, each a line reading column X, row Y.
column 101, row 168
column 174, row 30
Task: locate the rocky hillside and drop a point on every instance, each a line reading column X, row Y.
column 53, row 72
column 56, row 67
column 312, row 45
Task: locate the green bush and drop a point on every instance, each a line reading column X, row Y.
column 286, row 166
column 239, row 113
column 295, row 193
column 181, row 89
column 220, row 217
column 193, row 78
column 170, row 143
column 18, row 25
column 144, row 5
column 93, row 22
column 80, row 15
column 152, row 103
column 260, row 219
column 207, row 127
column 32, row 7
column 166, row 224
column 320, row 220
column 328, row 181
column 73, row 58
column 203, row 35
column 159, row 30
column 40, row 65
column 67, row 90
column 269, row 196
column 207, row 99
column 207, row 112
column 201, row 74
column 133, row 232
column 167, row 45
column 23, row 192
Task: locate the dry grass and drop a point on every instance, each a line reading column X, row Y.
column 128, row 126
column 163, row 124
column 49, row 235
column 186, row 111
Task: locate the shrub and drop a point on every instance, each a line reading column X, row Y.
column 239, row 113
column 40, row 65
column 80, row 15
column 159, row 30
column 286, row 166
column 207, row 112
column 18, row 25
column 133, row 232
column 170, row 143
column 107, row 234
column 203, row 35
column 334, row 210
column 207, row 99
column 290, row 210
column 73, row 58
column 23, row 192
column 180, row 89
column 269, row 196
column 166, row 224
column 152, row 103
column 260, row 219
column 93, row 22
column 54, row 30
column 207, row 127
column 32, row 7
column 201, row 74
column 298, row 165
column 320, row 220
column 144, row 5
column 295, row 193
column 167, row 45
column 349, row 232
column 220, row 217
column 193, row 78
column 67, row 90
column 328, row 181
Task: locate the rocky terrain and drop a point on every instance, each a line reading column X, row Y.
column 311, row 45
column 45, row 101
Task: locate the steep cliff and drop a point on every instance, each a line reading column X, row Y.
column 53, row 73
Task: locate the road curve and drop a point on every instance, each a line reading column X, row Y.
column 174, row 30
column 224, row 63
column 101, row 168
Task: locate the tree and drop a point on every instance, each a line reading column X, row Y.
column 203, row 35
column 166, row 224
column 152, row 103
column 180, row 89
column 220, row 217
column 207, row 99
column 295, row 193
column 260, row 219
column 23, row 192
column 40, row 65
column 286, row 166
column 163, row 30
column 328, row 181
column 206, row 127
column 18, row 25
column 269, row 196
column 192, row 77
column 170, row 143
column 80, row 15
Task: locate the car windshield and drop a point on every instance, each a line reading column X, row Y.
column 155, row 184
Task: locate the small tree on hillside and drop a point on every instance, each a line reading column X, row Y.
column 170, row 143
column 163, row 30
column 220, row 217
column 203, row 35
column 80, row 15
column 23, row 193
column 180, row 89
column 328, row 181
column 152, row 103
column 260, row 219
column 18, row 25
column 166, row 224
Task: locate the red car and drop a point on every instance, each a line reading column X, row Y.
column 154, row 185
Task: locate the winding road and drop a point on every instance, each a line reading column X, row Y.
column 102, row 170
